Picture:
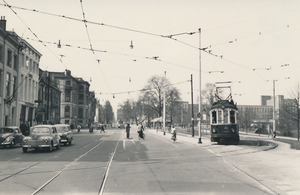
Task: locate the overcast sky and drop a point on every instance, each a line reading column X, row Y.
column 241, row 35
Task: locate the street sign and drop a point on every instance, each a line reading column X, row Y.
column 199, row 114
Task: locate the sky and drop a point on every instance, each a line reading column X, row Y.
column 250, row 43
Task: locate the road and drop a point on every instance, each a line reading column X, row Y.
column 108, row 163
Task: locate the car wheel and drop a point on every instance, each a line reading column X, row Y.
column 12, row 143
column 25, row 150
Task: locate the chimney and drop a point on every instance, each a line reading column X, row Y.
column 3, row 23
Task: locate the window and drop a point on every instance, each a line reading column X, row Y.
column 220, row 121
column 1, row 53
column 225, row 116
column 67, row 111
column 7, row 85
column 67, row 96
column 1, row 72
column 14, row 85
column 26, row 62
column 15, row 62
column 9, row 58
column 214, row 116
column 232, row 116
column 68, row 83
column 80, row 113
column 80, row 99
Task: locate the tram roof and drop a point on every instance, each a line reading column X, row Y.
column 224, row 104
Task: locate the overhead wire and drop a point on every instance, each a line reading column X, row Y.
column 35, row 35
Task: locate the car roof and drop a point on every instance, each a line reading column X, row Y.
column 43, row 126
column 60, row 125
column 11, row 127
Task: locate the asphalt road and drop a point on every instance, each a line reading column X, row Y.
column 109, row 163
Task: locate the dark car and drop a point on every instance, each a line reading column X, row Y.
column 65, row 133
column 41, row 136
column 10, row 136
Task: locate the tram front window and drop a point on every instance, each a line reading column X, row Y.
column 220, row 117
column 214, row 116
column 232, row 116
column 225, row 116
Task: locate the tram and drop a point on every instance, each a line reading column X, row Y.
column 223, row 120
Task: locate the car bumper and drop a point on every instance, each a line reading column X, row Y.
column 63, row 140
column 5, row 144
column 35, row 146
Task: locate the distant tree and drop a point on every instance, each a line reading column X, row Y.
column 173, row 105
column 153, row 92
column 291, row 107
column 101, row 114
column 246, row 117
column 127, row 110
column 109, row 114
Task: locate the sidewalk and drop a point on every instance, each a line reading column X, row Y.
column 276, row 169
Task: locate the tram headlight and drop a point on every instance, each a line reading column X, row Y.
column 214, row 130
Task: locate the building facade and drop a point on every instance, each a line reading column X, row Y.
column 19, row 78
column 49, row 96
column 75, row 100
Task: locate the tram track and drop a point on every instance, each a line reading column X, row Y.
column 103, row 178
column 5, row 177
column 60, row 172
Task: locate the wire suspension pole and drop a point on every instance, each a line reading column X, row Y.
column 199, row 124
column 164, row 119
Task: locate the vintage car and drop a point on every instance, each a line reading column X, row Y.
column 41, row 136
column 65, row 133
column 10, row 136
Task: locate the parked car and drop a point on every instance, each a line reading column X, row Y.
column 41, row 136
column 65, row 133
column 10, row 136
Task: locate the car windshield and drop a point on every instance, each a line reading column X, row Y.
column 41, row 130
column 62, row 129
column 6, row 130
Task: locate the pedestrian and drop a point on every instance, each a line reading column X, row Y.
column 127, row 131
column 23, row 128
column 102, row 129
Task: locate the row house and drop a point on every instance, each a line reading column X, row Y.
column 48, row 110
column 19, row 78
column 75, row 99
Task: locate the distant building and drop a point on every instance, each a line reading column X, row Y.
column 75, row 99
column 48, row 110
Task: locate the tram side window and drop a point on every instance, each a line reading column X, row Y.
column 220, row 117
column 214, row 116
column 225, row 116
column 232, row 116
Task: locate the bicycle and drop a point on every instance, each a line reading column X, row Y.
column 139, row 135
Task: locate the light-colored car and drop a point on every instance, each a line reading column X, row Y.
column 41, row 136
column 10, row 136
column 65, row 133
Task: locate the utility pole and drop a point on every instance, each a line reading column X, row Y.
column 48, row 99
column 199, row 142
column 193, row 131
column 164, row 119
column 274, row 123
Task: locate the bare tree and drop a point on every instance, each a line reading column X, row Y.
column 154, row 93
column 291, row 107
column 246, row 117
